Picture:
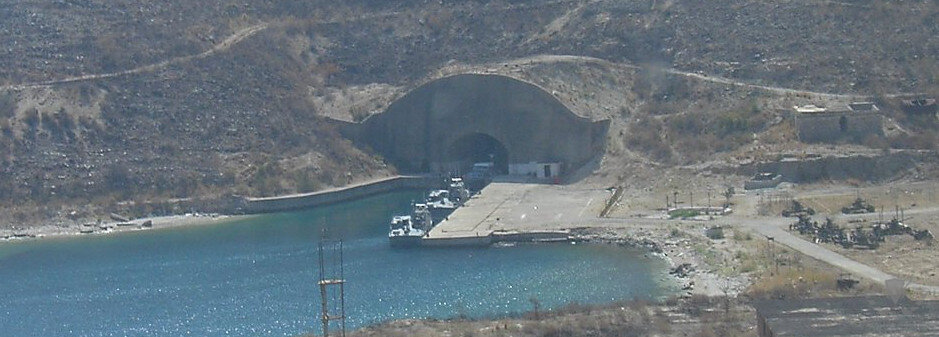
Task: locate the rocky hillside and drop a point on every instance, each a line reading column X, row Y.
column 102, row 101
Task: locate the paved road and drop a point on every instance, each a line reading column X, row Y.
column 782, row 236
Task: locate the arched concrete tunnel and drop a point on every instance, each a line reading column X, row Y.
column 448, row 124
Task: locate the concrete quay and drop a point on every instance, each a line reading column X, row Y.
column 505, row 211
column 330, row 196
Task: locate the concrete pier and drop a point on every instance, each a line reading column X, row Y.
column 505, row 210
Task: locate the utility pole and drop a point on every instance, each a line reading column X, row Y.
column 709, row 201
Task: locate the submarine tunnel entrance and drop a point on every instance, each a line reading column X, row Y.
column 476, row 148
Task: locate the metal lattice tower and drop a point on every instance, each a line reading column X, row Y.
column 332, row 286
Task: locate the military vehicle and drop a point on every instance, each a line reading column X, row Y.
column 796, row 209
column 859, row 206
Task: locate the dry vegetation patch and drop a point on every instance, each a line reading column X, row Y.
column 698, row 316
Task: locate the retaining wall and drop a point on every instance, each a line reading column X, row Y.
column 865, row 168
column 458, row 241
column 832, row 127
column 307, row 200
column 530, row 236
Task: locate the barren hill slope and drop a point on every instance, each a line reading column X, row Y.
column 190, row 98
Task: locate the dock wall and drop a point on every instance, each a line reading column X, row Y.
column 307, row 200
column 498, row 236
column 531, row 236
column 458, row 241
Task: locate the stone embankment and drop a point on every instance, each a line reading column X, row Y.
column 307, row 200
column 864, row 167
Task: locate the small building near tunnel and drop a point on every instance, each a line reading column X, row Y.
column 536, row 170
column 448, row 124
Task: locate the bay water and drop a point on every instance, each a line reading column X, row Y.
column 257, row 277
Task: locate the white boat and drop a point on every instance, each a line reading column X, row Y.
column 407, row 230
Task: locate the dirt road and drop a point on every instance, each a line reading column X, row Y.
column 221, row 46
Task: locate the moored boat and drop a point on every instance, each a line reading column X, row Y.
column 407, row 230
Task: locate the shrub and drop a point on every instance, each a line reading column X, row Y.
column 32, row 118
column 740, row 235
column 646, row 136
column 676, row 233
column 683, row 213
column 715, row 233
column 7, row 105
column 790, row 284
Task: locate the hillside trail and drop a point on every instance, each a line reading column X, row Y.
column 226, row 44
column 247, row 32
column 548, row 59
column 232, row 40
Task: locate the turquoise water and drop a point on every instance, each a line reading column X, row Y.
column 256, row 277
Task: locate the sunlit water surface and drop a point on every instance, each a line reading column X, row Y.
column 257, row 277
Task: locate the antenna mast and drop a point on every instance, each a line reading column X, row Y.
column 332, row 285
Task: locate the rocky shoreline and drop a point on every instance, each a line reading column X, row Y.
column 689, row 269
column 112, row 227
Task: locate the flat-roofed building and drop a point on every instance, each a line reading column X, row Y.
column 853, row 123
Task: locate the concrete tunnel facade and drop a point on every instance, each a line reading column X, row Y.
column 447, row 124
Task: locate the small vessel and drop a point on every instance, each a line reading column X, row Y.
column 440, row 204
column 444, row 202
column 458, row 191
column 407, row 230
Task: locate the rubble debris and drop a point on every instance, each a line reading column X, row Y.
column 683, row 270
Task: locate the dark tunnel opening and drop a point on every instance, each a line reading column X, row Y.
column 477, row 148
